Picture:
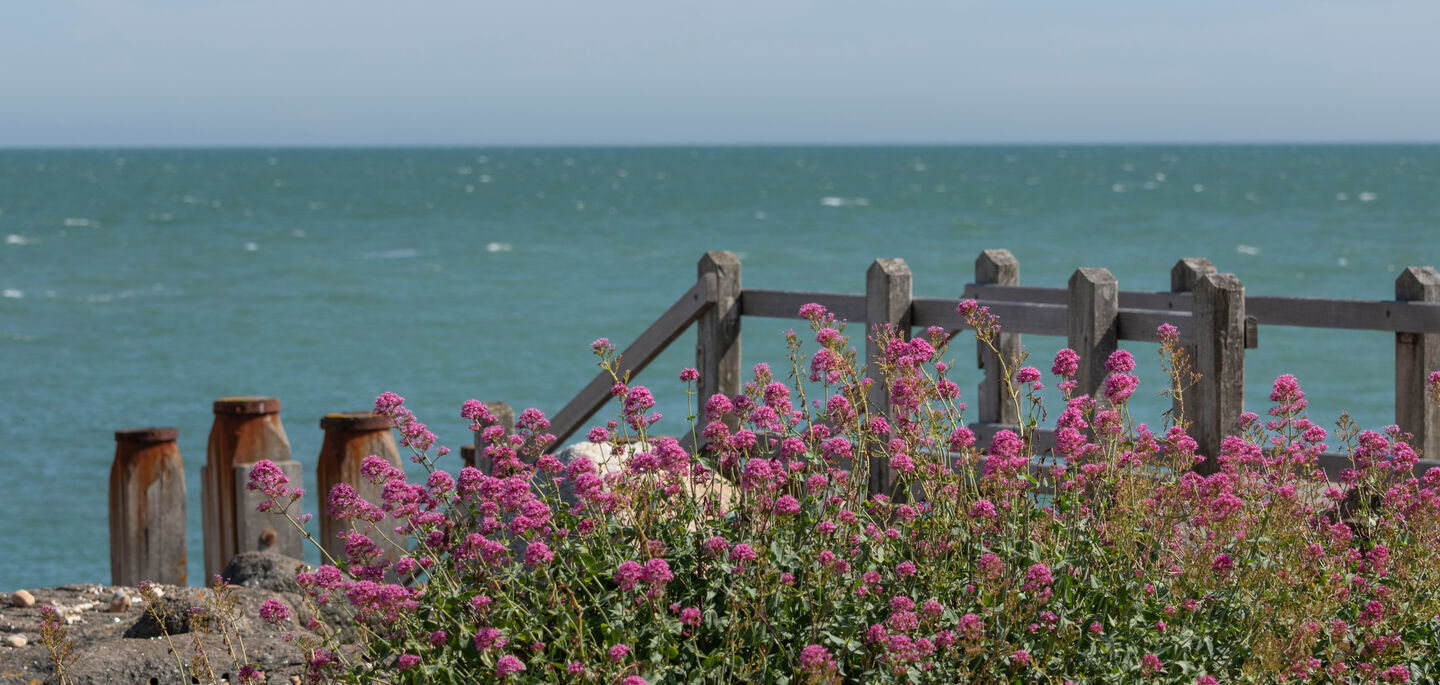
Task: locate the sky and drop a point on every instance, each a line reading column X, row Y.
column 122, row 73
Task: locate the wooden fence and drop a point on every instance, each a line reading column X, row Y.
column 1217, row 319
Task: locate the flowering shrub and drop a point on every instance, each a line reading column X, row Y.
column 1120, row 556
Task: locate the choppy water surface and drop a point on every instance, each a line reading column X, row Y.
column 138, row 286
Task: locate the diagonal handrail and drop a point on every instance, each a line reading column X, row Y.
column 686, row 310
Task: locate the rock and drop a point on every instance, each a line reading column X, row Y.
column 17, row 641
column 602, row 454
column 177, row 617
column 22, row 598
column 119, row 602
column 265, row 570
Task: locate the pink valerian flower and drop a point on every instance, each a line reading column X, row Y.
column 1222, row 563
column 990, row 566
column 601, row 345
column 816, row 660
column 1119, row 387
column 1037, row 577
column 1021, row 657
column 273, row 612
column 618, row 652
column 1167, row 333
column 508, row 664
column 1120, row 361
column 1067, row 363
column 407, row 662
column 689, row 375
column 813, row 312
column 266, row 477
column 1207, row 680
column 633, row 680
column 1028, row 374
column 690, row 616
column 905, row 569
column 742, row 552
column 249, row 674
column 1150, row 665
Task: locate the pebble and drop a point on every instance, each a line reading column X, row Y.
column 119, row 602
column 22, row 598
column 17, row 641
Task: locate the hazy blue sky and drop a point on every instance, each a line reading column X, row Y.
column 300, row 72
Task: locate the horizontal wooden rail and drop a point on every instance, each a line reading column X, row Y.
column 785, row 304
column 1308, row 312
column 634, row 359
column 1332, row 463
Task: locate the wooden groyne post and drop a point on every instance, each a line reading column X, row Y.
column 349, row 438
column 147, row 508
column 246, row 430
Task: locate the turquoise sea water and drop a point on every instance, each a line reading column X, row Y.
column 140, row 285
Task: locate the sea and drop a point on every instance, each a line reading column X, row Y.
column 139, row 285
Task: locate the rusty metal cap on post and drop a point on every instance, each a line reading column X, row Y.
column 147, row 435
column 247, row 406
column 355, row 421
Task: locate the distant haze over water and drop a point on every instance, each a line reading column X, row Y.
column 140, row 285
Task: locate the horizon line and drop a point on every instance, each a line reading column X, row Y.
column 633, row 145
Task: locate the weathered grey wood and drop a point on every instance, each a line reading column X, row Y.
column 1372, row 315
column 785, row 304
column 1015, row 317
column 1140, row 324
column 992, row 401
column 1183, row 277
column 1416, row 356
column 257, row 531
column 717, row 340
column 1093, row 324
column 1129, row 299
column 635, row 358
column 1219, row 320
column 147, row 508
column 888, row 285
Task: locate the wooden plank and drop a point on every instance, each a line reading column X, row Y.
column 1129, row 299
column 785, row 304
column 1220, row 360
column 992, row 401
column 1140, row 324
column 635, row 358
column 1370, row 315
column 888, row 285
column 1039, row 319
column 1417, row 355
column 1092, row 329
column 147, row 508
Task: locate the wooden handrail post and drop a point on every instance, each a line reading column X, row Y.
column 1183, row 277
column 996, row 267
column 246, row 430
column 1416, row 356
column 717, row 348
column 505, row 417
column 1218, row 316
column 147, row 508
column 349, row 438
column 887, row 301
column 1092, row 322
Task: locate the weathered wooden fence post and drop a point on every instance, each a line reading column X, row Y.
column 1416, row 355
column 887, row 301
column 1183, row 277
column 147, row 508
column 1092, row 323
column 349, row 438
column 467, row 456
column 505, row 417
column 992, row 405
column 246, row 430
column 1218, row 317
column 717, row 348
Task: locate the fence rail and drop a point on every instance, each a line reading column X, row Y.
column 1218, row 321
